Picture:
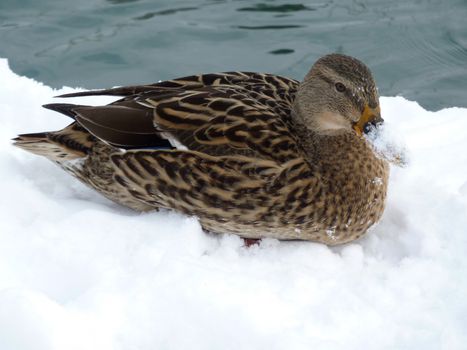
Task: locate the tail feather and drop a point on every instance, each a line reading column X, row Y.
column 63, row 108
column 38, row 135
column 118, row 91
column 70, row 143
column 40, row 145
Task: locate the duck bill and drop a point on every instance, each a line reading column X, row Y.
column 370, row 117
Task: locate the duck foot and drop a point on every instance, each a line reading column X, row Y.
column 248, row 242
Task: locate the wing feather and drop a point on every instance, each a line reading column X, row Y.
column 234, row 113
column 225, row 121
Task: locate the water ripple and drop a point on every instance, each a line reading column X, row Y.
column 277, row 8
column 278, row 26
column 281, row 51
column 164, row 13
column 118, row 2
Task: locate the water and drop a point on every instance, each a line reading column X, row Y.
column 417, row 49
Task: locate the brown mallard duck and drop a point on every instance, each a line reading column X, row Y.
column 257, row 155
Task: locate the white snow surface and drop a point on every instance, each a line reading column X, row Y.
column 79, row 272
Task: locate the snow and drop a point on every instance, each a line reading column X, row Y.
column 79, row 272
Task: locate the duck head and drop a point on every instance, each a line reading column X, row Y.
column 338, row 95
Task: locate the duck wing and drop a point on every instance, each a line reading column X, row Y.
column 217, row 114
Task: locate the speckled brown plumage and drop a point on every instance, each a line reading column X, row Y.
column 252, row 154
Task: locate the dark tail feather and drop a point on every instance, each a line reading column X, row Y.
column 64, row 108
column 119, row 91
column 89, row 93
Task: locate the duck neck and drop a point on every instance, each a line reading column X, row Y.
column 339, row 155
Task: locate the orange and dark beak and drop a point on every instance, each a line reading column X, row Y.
column 371, row 117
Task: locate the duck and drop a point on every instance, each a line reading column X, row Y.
column 251, row 154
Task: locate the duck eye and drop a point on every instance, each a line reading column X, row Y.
column 340, row 87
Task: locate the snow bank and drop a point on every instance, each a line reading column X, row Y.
column 79, row 272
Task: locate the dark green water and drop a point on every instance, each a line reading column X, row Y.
column 417, row 49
